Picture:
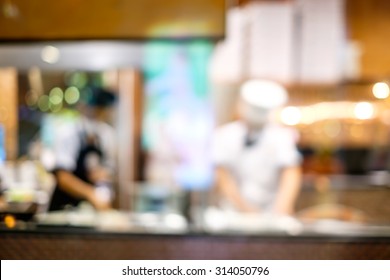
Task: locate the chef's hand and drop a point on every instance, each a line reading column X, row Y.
column 99, row 203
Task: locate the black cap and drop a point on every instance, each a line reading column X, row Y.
column 100, row 97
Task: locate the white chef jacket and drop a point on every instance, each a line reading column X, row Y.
column 256, row 168
column 68, row 141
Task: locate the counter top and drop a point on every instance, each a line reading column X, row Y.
column 117, row 223
column 81, row 243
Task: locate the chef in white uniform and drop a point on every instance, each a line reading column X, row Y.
column 257, row 163
column 85, row 153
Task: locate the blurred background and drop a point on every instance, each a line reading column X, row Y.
column 176, row 67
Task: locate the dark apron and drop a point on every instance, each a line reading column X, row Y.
column 89, row 146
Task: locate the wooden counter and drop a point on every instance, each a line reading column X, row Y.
column 72, row 243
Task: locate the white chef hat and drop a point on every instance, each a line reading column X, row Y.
column 263, row 94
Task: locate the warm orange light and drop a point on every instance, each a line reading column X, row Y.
column 10, row 221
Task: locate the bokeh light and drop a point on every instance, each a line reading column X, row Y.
column 381, row 90
column 364, row 111
column 50, row 54
column 9, row 221
column 72, row 95
column 77, row 79
column 43, row 103
column 56, row 96
column 55, row 108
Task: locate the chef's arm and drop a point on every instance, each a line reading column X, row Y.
column 227, row 186
column 289, row 187
column 77, row 188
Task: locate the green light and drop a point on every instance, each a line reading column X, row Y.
column 72, row 95
column 56, row 96
column 78, row 79
column 43, row 103
column 55, row 108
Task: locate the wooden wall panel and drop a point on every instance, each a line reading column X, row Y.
column 129, row 133
column 110, row 19
column 369, row 24
column 9, row 110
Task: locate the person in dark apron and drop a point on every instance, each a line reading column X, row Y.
column 86, row 178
